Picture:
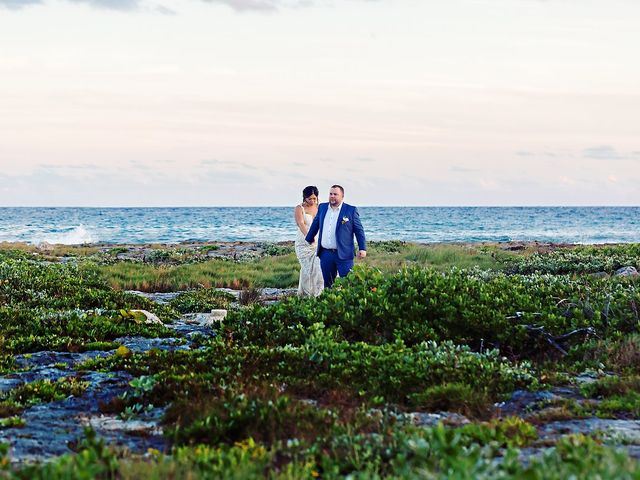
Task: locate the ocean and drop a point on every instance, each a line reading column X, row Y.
column 272, row 224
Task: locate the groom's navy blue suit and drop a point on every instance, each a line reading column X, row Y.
column 339, row 260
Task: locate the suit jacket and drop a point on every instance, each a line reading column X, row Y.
column 347, row 227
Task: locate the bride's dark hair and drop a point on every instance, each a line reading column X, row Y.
column 308, row 191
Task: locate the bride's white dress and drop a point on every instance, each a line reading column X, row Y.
column 311, row 282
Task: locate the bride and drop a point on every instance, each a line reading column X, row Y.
column 311, row 282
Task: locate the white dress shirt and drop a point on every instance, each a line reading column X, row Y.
column 328, row 239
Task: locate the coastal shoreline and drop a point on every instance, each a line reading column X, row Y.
column 255, row 245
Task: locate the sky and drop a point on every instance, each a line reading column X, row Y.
column 246, row 102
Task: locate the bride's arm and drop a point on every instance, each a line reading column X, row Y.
column 299, row 215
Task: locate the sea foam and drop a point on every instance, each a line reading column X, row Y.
column 77, row 235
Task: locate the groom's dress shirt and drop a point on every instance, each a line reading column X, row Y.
column 328, row 239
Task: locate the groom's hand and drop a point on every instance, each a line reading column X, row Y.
column 362, row 253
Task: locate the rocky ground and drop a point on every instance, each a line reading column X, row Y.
column 52, row 429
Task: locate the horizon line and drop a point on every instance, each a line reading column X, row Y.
column 293, row 206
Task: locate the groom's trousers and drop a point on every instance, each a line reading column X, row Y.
column 331, row 265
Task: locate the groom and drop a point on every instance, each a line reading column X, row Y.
column 337, row 223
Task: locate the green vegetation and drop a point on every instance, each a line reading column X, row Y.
column 279, row 267
column 40, row 391
column 334, row 386
column 12, row 422
column 468, row 307
column 401, row 454
column 269, row 271
column 581, row 259
column 65, row 307
column 201, row 300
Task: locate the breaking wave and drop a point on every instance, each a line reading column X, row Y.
column 73, row 236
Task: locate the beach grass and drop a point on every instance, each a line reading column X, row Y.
column 438, row 256
column 282, row 271
column 278, row 272
column 52, row 250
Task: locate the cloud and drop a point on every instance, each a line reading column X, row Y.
column 607, row 152
column 244, row 5
column 131, row 5
column 461, row 169
column 164, row 10
column 18, row 4
column 227, row 164
column 599, row 152
column 124, row 5
column 602, row 152
column 263, row 5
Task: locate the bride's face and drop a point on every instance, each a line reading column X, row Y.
column 311, row 200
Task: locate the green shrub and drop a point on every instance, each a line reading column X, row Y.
column 581, row 259
column 276, row 249
column 12, row 422
column 235, row 416
column 40, row 391
column 505, row 432
column 452, row 397
column 202, row 300
column 471, row 307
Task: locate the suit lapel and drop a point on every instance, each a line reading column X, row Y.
column 323, row 213
column 342, row 207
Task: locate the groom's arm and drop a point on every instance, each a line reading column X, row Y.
column 358, row 230
column 313, row 229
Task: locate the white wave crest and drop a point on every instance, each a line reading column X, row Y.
column 76, row 236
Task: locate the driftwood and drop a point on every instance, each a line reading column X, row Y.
column 557, row 340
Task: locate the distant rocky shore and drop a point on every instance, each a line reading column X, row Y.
column 247, row 249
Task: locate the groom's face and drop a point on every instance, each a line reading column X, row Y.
column 335, row 197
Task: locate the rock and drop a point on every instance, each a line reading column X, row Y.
column 600, row 275
column 112, row 423
column 231, row 291
column 51, row 428
column 38, row 360
column 627, row 272
column 45, row 247
column 142, row 344
column 7, row 384
column 626, row 431
column 193, row 324
column 151, row 317
column 159, row 297
column 421, row 419
column 522, row 401
column 205, row 319
column 586, row 378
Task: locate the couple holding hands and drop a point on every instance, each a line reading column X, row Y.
column 324, row 244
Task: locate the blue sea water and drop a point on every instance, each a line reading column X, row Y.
column 420, row 224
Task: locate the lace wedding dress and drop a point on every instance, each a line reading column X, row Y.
column 311, row 282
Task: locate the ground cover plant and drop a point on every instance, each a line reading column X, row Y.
column 471, row 307
column 201, row 300
column 53, row 306
column 342, row 385
column 43, row 391
column 579, row 259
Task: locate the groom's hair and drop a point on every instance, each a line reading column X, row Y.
column 338, row 186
